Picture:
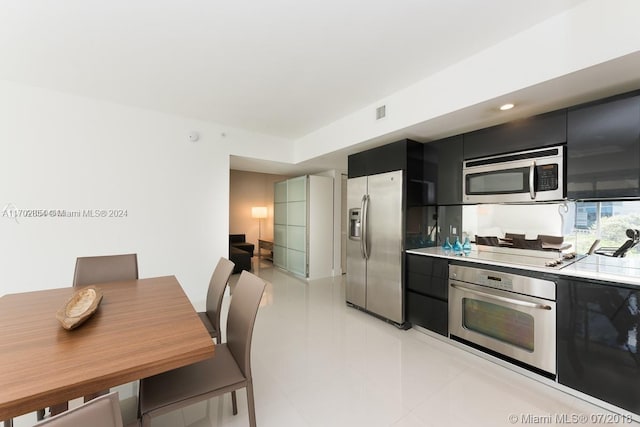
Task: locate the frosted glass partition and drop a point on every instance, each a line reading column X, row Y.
column 290, row 225
column 280, row 234
column 280, row 213
column 297, row 213
column 280, row 192
column 280, row 224
column 297, row 189
column 280, row 256
column 303, row 226
column 296, row 238
column 297, row 262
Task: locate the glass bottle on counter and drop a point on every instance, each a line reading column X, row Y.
column 466, row 246
column 446, row 246
column 457, row 246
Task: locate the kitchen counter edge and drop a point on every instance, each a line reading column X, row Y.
column 592, row 267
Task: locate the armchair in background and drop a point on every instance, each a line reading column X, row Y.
column 240, row 241
column 240, row 252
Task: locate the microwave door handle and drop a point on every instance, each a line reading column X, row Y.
column 503, row 299
column 532, row 180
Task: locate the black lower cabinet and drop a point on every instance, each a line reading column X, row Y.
column 428, row 312
column 598, row 334
column 427, row 296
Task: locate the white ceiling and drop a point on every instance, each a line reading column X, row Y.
column 279, row 67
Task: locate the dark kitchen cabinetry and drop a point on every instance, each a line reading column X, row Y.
column 401, row 155
column 525, row 134
column 598, row 337
column 418, row 184
column 603, row 149
column 405, row 155
column 427, row 292
column 446, row 154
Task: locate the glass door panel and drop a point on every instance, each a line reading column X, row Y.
column 499, row 322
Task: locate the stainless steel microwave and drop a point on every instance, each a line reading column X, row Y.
column 524, row 176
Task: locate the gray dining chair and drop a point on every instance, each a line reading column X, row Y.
column 92, row 270
column 103, row 411
column 227, row 371
column 217, row 285
column 108, row 268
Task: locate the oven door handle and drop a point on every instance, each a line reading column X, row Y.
column 503, row 299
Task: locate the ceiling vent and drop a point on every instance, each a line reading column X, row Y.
column 381, row 112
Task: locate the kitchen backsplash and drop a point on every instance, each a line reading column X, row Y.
column 551, row 219
column 606, row 221
column 579, row 223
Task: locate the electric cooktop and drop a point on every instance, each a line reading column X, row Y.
column 524, row 257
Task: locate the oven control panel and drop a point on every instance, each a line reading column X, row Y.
column 495, row 281
column 504, row 281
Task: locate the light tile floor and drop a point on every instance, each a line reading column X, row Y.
column 318, row 363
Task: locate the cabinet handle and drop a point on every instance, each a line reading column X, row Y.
column 500, row 298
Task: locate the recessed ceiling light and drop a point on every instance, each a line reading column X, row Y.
column 507, row 107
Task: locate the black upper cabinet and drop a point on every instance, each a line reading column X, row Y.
column 405, row 155
column 445, row 156
column 401, row 155
column 526, row 134
column 598, row 341
column 602, row 160
column 603, row 149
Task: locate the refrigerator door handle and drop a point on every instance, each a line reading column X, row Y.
column 364, row 249
column 363, row 227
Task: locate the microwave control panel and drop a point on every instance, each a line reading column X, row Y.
column 547, row 177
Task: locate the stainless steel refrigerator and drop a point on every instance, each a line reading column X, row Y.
column 375, row 244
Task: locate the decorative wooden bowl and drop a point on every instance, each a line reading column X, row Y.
column 82, row 304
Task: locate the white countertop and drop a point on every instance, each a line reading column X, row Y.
column 600, row 267
column 596, row 267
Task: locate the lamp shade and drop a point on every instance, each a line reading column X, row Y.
column 259, row 212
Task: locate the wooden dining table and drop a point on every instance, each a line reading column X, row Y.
column 141, row 328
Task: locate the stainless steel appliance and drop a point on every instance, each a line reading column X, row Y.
column 375, row 245
column 542, row 259
column 511, row 315
column 525, row 176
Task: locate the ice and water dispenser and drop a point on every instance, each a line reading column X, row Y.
column 354, row 224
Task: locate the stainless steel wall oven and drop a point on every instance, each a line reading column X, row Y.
column 512, row 316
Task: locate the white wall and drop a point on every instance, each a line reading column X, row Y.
column 320, row 228
column 338, row 236
column 60, row 151
column 593, row 32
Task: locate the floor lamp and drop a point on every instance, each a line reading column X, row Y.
column 259, row 212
